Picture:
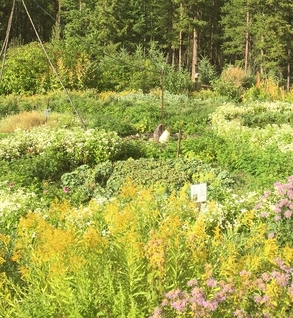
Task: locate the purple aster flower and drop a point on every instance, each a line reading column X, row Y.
column 257, row 298
column 172, row 294
column 179, row 305
column 278, row 262
column 239, row 313
column 265, row 298
column 282, row 279
column 244, row 272
column 211, row 282
column 192, row 282
column 266, row 276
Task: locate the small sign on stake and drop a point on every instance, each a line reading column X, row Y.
column 200, row 191
column 47, row 112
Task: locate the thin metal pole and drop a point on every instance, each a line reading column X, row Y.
column 52, row 66
column 6, row 40
column 162, row 107
column 179, row 143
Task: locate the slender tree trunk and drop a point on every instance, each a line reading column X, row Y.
column 173, row 57
column 262, row 56
column 246, row 43
column 59, row 12
column 180, row 41
column 288, row 70
column 194, row 66
column 170, row 29
column 58, row 26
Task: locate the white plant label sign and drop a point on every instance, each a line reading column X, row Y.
column 200, row 191
column 47, row 112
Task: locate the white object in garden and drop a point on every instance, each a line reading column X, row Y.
column 47, row 112
column 200, row 191
column 165, row 136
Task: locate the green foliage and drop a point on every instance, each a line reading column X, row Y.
column 207, row 72
column 267, row 90
column 28, row 71
column 159, row 173
column 169, row 175
column 231, row 83
column 80, row 184
column 8, row 105
column 25, row 70
column 260, row 151
column 105, row 179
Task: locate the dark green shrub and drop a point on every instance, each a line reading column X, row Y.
column 31, row 172
column 232, row 83
column 79, row 184
column 147, row 172
column 24, row 70
column 207, row 72
column 169, row 175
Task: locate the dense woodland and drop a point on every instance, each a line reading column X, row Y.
column 254, row 35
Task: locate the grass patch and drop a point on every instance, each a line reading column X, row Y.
column 28, row 120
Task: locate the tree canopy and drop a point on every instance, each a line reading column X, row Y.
column 252, row 34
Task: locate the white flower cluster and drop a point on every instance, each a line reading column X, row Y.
column 38, row 140
column 14, row 203
column 226, row 214
column 227, row 122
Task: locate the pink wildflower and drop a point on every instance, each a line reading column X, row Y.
column 179, row 305
column 192, row 282
column 271, row 235
column 211, row 282
column 239, row 313
column 277, row 210
column 257, row 206
column 266, row 276
column 66, row 189
column 257, row 298
column 245, row 273
column 288, row 214
column 11, row 184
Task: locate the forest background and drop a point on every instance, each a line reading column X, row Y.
column 202, row 36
